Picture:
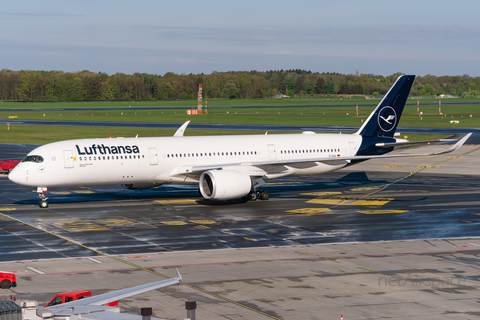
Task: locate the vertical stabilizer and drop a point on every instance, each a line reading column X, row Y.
column 383, row 121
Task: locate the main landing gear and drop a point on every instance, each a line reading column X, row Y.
column 43, row 203
column 258, row 194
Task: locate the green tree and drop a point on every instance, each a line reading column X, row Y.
column 309, row 86
column 230, row 90
column 92, row 87
column 290, row 81
column 29, row 85
column 358, row 88
column 109, row 89
column 320, row 86
column 329, row 87
column 274, row 81
column 300, row 85
column 344, row 88
column 244, row 81
column 262, row 87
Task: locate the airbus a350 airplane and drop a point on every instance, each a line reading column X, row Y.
column 225, row 167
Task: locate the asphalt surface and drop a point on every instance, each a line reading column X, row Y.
column 323, row 246
column 329, row 208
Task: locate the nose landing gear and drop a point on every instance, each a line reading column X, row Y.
column 43, row 203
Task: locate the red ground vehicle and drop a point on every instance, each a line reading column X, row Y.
column 8, row 165
column 72, row 296
column 7, row 280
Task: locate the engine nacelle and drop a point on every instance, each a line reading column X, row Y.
column 224, row 184
column 140, row 186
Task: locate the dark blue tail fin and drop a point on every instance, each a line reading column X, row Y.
column 384, row 119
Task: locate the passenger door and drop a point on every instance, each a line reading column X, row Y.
column 152, row 151
column 353, row 148
column 68, row 158
column 271, row 152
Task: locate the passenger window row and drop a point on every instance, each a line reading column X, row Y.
column 120, row 157
column 210, row 154
column 309, row 151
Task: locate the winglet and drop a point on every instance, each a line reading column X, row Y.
column 455, row 146
column 181, row 130
column 179, row 276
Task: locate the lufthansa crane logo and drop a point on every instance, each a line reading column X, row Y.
column 387, row 118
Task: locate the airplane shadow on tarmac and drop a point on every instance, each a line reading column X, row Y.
column 279, row 188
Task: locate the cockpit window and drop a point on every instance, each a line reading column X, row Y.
column 36, row 159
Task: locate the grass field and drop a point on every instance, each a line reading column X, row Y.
column 304, row 115
column 218, row 103
column 45, row 134
column 331, row 116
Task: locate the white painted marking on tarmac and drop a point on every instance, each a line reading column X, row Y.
column 94, row 260
column 35, row 270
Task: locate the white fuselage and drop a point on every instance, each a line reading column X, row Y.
column 165, row 159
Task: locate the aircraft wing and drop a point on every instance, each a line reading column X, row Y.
column 120, row 294
column 199, row 169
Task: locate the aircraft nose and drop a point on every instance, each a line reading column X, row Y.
column 17, row 175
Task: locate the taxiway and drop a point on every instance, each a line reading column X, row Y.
column 394, row 239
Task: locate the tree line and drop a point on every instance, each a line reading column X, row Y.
column 89, row 86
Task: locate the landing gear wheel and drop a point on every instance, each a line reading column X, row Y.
column 5, row 284
column 264, row 195
column 43, row 204
column 252, row 196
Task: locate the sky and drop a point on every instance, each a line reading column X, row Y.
column 184, row 36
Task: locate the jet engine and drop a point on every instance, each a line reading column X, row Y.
column 224, row 184
column 140, row 186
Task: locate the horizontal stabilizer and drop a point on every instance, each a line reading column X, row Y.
column 411, row 143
